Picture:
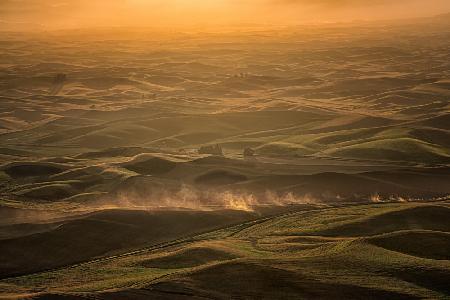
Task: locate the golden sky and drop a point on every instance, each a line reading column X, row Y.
column 184, row 13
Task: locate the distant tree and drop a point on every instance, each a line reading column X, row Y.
column 248, row 152
column 58, row 83
column 212, row 149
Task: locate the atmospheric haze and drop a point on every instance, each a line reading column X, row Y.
column 166, row 149
column 34, row 14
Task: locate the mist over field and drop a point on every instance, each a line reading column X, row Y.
column 253, row 149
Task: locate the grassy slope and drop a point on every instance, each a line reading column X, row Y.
column 105, row 232
column 288, row 252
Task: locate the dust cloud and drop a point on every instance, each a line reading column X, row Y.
column 189, row 197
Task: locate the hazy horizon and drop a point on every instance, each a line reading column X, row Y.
column 68, row 14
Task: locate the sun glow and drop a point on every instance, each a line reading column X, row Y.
column 50, row 14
